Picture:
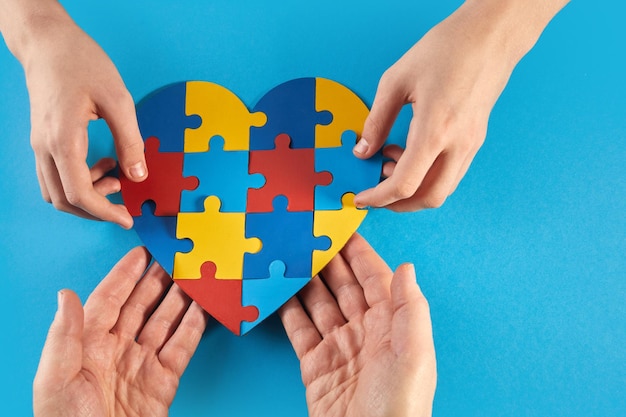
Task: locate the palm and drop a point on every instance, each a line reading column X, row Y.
column 364, row 342
column 125, row 352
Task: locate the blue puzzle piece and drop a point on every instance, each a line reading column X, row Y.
column 290, row 109
column 162, row 114
column 221, row 173
column 159, row 235
column 269, row 294
column 350, row 174
column 286, row 236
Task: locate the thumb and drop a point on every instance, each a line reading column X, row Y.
column 61, row 358
column 122, row 120
column 387, row 104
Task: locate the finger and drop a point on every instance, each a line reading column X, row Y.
column 142, row 302
column 120, row 115
column 409, row 172
column 101, row 168
column 178, row 350
column 107, row 186
column 435, row 187
column 411, row 324
column 301, row 331
column 369, row 269
column 462, row 171
column 345, row 288
column 61, row 358
column 165, row 319
column 388, row 168
column 42, row 182
column 104, row 305
column 393, row 152
column 321, row 306
column 388, row 102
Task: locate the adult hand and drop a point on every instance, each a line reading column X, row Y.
column 72, row 81
column 363, row 336
column 452, row 78
column 124, row 353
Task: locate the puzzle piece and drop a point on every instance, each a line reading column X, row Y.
column 286, row 236
column 289, row 172
column 162, row 114
column 218, row 237
column 290, row 109
column 164, row 184
column 220, row 298
column 269, row 294
column 348, row 110
column 222, row 113
column 159, row 234
column 351, row 174
column 338, row 225
column 221, row 173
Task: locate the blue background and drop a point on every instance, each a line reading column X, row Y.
column 524, row 266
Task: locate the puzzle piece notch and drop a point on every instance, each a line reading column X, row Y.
column 351, row 174
column 348, row 110
column 222, row 113
column 223, row 174
column 290, row 109
column 220, row 298
column 292, row 242
column 162, row 114
column 159, row 235
column 218, row 237
column 288, row 172
column 269, row 294
column 164, row 184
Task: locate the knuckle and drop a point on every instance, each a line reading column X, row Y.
column 73, row 198
column 434, row 200
column 404, row 189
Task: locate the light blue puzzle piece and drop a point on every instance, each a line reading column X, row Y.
column 221, row 173
column 350, row 174
column 269, row 294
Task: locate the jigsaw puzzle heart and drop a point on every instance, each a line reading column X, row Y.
column 243, row 207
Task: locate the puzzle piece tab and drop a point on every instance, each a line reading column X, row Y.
column 269, row 294
column 221, row 173
column 290, row 109
column 218, row 237
column 220, row 298
column 164, row 184
column 350, row 175
column 287, row 236
column 162, row 114
column 222, row 113
column 288, row 172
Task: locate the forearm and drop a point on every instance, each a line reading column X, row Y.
column 23, row 22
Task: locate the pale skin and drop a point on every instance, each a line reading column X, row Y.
column 365, row 344
column 452, row 78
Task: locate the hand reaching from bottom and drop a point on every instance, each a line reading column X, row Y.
column 124, row 353
column 364, row 338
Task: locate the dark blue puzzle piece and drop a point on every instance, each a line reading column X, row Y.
column 290, row 109
column 162, row 114
column 221, row 173
column 286, row 236
column 159, row 235
column 350, row 174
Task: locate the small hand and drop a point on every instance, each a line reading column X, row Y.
column 124, row 353
column 364, row 339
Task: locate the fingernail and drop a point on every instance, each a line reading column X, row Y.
column 59, row 299
column 138, row 170
column 411, row 271
column 361, row 146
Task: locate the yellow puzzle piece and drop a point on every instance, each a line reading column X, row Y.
column 217, row 237
column 338, row 225
column 222, row 113
column 349, row 112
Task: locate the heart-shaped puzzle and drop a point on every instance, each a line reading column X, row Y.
column 243, row 207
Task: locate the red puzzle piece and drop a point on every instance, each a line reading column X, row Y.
column 221, row 298
column 288, row 172
column 164, row 184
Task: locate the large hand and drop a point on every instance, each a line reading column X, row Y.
column 364, row 339
column 452, row 78
column 72, row 81
column 122, row 355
